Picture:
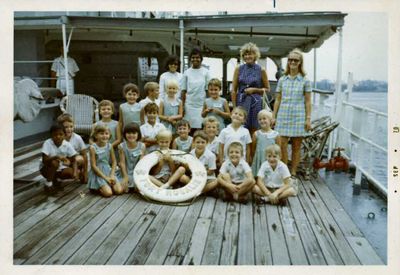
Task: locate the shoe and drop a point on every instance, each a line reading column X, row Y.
column 49, row 190
column 283, row 202
column 243, row 199
column 264, row 199
column 58, row 185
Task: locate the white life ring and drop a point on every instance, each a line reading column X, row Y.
column 152, row 191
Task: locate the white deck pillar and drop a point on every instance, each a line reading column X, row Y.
column 335, row 110
column 65, row 51
column 182, row 31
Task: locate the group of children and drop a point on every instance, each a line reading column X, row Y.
column 157, row 125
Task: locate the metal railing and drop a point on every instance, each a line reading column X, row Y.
column 362, row 133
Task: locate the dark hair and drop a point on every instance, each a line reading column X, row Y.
column 182, row 122
column 56, row 127
column 200, row 134
column 130, row 87
column 151, row 107
column 196, row 51
column 132, row 128
column 172, row 59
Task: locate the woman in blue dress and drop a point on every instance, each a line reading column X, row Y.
column 249, row 84
column 292, row 108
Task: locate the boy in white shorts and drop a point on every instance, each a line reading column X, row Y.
column 274, row 184
column 235, row 174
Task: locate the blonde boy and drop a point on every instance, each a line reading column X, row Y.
column 273, row 179
column 152, row 90
column 235, row 175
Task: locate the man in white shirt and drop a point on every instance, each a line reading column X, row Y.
column 58, row 71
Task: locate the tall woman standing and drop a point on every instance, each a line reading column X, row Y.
column 292, row 108
column 194, row 86
column 249, row 83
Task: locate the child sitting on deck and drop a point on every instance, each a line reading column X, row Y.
column 151, row 128
column 152, row 91
column 183, row 142
column 103, row 163
column 78, row 144
column 274, row 184
column 130, row 152
column 106, row 110
column 235, row 174
column 166, row 173
column 130, row 110
column 206, row 157
column 58, row 159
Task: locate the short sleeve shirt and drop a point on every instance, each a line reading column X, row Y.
column 238, row 172
column 273, row 178
column 146, row 101
column 59, row 67
column 209, row 161
column 149, row 131
column 51, row 150
column 229, row 135
column 77, row 142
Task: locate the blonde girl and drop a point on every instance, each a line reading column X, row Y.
column 171, row 108
column 103, row 163
column 261, row 139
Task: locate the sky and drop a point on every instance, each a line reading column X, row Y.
column 365, row 54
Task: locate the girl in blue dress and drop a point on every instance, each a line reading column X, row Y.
column 130, row 152
column 261, row 139
column 292, row 108
column 103, row 163
column 249, row 84
column 171, row 108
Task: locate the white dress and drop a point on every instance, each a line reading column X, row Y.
column 195, row 83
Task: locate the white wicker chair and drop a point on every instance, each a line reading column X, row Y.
column 84, row 109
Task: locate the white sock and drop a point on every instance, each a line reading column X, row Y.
column 48, row 183
column 236, row 196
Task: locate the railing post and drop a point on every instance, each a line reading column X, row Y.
column 65, row 49
column 182, row 30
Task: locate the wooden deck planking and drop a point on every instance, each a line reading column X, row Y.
column 182, row 239
column 280, row 253
column 364, row 251
column 328, row 248
column 334, row 232
column 343, row 219
column 246, row 235
column 68, row 229
column 160, row 250
column 262, row 246
column 212, row 249
column 295, row 246
column 107, row 248
column 230, row 236
column 57, row 242
column 149, row 239
column 24, row 170
column 311, row 246
column 38, row 212
column 78, row 239
column 101, row 234
column 128, row 244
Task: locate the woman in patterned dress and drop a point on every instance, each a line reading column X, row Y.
column 249, row 83
column 292, row 108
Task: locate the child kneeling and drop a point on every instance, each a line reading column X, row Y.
column 274, row 184
column 58, row 159
column 166, row 173
column 235, row 174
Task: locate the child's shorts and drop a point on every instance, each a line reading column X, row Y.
column 293, row 183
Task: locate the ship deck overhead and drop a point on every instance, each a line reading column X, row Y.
column 77, row 227
column 217, row 35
